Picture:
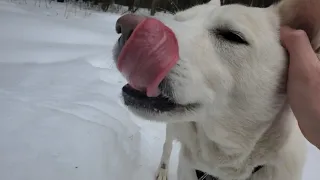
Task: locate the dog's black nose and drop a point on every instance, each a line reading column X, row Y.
column 126, row 24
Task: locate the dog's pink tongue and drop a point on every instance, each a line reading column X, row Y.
column 148, row 55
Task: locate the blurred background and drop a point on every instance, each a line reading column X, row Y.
column 171, row 6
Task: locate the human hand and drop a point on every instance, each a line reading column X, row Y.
column 303, row 82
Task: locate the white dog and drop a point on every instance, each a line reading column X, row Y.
column 225, row 99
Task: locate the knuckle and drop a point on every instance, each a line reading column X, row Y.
column 299, row 34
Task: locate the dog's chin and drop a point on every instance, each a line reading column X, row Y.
column 154, row 108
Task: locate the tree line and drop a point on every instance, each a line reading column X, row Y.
column 171, row 6
column 178, row 5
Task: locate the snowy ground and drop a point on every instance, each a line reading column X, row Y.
column 60, row 115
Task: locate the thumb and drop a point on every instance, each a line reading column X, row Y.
column 298, row 45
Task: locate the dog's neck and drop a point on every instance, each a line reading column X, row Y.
column 247, row 140
column 251, row 145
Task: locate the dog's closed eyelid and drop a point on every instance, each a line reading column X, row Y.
column 230, row 35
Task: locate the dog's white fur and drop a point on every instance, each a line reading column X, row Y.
column 244, row 120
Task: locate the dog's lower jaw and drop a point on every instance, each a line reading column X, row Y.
column 166, row 117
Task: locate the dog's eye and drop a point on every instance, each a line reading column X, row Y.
column 232, row 36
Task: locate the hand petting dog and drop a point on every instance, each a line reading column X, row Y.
column 303, row 82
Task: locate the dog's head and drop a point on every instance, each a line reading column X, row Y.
column 210, row 62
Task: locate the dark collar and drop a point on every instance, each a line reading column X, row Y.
column 201, row 174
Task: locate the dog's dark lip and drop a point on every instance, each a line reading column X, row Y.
column 160, row 104
column 139, row 99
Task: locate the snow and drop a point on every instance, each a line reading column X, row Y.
column 61, row 117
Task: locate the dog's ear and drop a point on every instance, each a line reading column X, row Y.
column 304, row 15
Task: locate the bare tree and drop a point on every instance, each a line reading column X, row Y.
column 154, row 5
column 130, row 4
